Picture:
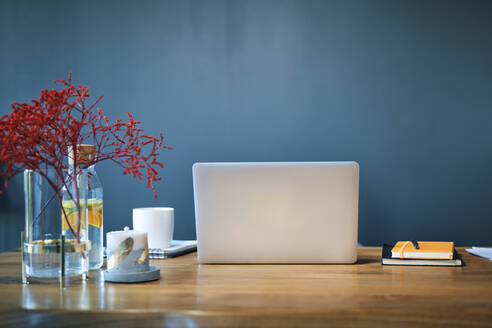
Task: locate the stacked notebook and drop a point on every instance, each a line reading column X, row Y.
column 431, row 253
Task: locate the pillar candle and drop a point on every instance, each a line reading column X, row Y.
column 114, row 239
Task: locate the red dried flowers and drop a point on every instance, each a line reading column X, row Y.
column 38, row 136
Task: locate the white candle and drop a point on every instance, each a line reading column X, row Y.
column 114, row 239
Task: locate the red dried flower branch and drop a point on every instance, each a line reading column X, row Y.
column 38, row 136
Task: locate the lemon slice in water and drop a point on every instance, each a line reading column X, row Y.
column 94, row 209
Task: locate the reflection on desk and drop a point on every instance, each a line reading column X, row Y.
column 364, row 294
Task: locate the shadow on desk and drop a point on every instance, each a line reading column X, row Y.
column 367, row 261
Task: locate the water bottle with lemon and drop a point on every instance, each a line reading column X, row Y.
column 95, row 219
column 95, row 209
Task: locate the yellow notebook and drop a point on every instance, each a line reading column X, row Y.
column 427, row 250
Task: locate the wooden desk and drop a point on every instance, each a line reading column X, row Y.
column 361, row 295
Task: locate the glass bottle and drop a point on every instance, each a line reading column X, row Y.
column 95, row 218
column 74, row 209
column 94, row 202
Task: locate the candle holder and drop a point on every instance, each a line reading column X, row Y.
column 128, row 257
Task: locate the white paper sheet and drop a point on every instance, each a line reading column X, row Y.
column 481, row 251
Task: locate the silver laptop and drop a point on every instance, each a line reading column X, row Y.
column 285, row 212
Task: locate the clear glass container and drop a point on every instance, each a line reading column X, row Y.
column 95, row 210
column 47, row 221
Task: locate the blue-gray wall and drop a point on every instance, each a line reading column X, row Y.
column 402, row 87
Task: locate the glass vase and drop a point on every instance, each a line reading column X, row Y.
column 55, row 241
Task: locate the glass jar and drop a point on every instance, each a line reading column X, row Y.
column 49, row 225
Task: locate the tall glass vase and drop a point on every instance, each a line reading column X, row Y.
column 56, row 215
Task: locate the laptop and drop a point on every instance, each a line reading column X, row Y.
column 276, row 212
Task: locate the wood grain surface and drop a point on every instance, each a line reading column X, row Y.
column 365, row 294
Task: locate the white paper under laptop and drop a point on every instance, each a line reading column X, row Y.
column 286, row 212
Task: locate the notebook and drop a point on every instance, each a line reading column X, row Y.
column 177, row 248
column 387, row 259
column 427, row 250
